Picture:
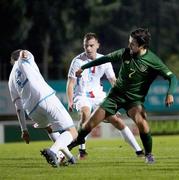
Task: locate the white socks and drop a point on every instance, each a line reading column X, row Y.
column 129, row 137
column 63, row 140
column 54, row 136
column 82, row 146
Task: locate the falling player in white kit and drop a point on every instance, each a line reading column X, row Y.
column 31, row 94
column 86, row 93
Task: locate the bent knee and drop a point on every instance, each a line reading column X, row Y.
column 137, row 113
column 116, row 121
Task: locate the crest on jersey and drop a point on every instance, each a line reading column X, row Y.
column 126, row 62
column 142, row 67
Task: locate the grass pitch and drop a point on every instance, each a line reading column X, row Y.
column 107, row 160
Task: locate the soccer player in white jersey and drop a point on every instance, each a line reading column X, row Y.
column 86, row 93
column 31, row 94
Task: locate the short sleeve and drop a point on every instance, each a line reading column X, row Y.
column 75, row 65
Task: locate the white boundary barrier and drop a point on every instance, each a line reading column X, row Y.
column 104, row 130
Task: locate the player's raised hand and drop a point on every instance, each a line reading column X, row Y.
column 78, row 73
column 25, row 136
column 169, row 100
column 24, row 54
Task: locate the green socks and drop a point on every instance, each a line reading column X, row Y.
column 147, row 142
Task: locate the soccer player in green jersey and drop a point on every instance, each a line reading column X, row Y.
column 139, row 68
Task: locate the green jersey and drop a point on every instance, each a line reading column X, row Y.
column 136, row 73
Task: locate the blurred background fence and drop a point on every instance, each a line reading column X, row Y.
column 163, row 120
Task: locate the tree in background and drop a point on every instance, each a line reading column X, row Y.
column 53, row 30
column 13, row 32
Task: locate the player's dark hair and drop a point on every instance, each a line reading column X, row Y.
column 15, row 54
column 142, row 37
column 90, row 35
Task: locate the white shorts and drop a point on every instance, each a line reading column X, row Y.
column 51, row 112
column 92, row 103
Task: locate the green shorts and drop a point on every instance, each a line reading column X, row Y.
column 115, row 101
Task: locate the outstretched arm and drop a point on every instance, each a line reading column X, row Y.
column 112, row 57
column 97, row 62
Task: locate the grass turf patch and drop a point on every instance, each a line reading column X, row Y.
column 107, row 159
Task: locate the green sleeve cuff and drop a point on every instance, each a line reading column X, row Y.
column 172, row 84
column 96, row 62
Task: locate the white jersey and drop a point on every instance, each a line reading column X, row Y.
column 27, row 83
column 89, row 85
